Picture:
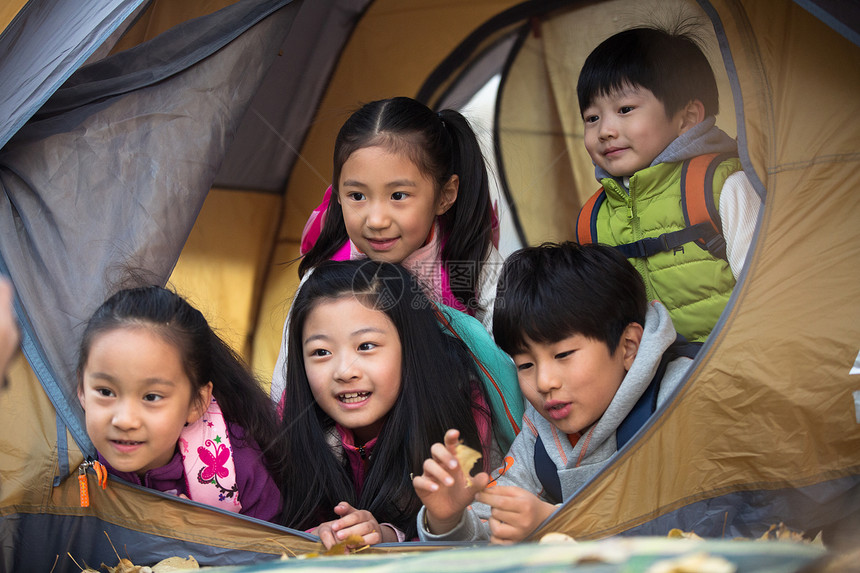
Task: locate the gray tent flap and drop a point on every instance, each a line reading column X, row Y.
column 115, row 184
column 45, row 43
column 170, row 53
column 268, row 140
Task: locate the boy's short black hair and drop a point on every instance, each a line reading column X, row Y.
column 553, row 291
column 671, row 65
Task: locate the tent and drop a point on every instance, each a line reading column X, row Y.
column 189, row 141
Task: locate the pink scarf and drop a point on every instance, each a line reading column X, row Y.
column 208, row 460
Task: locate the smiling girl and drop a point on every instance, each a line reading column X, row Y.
column 372, row 382
column 170, row 406
column 409, row 186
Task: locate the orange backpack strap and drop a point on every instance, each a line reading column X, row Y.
column 586, row 221
column 697, row 201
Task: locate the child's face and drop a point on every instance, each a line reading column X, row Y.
column 571, row 382
column 627, row 129
column 352, row 357
column 389, row 206
column 137, row 398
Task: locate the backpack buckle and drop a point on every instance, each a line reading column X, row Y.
column 667, row 246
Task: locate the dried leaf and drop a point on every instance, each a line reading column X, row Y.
column 818, row 540
column 309, row 555
column 342, row 548
column 353, row 542
column 782, row 533
column 785, row 534
column 679, row 534
column 557, row 537
column 766, row 535
column 467, row 457
column 124, row 566
column 695, row 563
column 175, row 564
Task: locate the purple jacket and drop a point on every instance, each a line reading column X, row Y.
column 257, row 490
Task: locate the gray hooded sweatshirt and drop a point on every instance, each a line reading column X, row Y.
column 576, row 464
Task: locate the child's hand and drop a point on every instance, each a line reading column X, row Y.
column 515, row 513
column 442, row 487
column 353, row 522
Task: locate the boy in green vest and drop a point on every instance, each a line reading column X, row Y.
column 648, row 100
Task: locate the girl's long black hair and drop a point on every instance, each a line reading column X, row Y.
column 438, row 378
column 205, row 357
column 441, row 145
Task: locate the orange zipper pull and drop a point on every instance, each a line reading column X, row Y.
column 82, row 485
column 101, row 474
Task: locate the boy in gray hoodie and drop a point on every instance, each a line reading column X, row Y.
column 587, row 346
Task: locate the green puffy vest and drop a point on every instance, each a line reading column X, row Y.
column 693, row 284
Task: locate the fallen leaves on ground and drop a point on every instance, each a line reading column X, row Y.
column 352, row 544
column 167, row 565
